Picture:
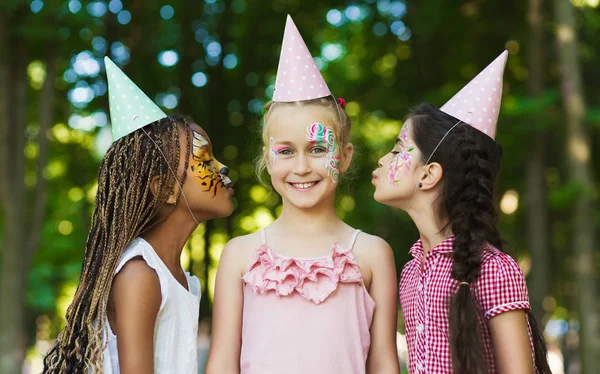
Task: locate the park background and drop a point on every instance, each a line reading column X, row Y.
column 216, row 61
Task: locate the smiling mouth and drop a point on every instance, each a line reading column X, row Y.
column 303, row 186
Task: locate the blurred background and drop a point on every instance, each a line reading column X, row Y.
column 216, row 61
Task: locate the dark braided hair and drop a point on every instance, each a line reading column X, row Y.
column 471, row 161
column 124, row 209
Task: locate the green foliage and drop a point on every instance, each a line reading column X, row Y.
column 227, row 59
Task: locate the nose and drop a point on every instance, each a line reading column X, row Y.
column 302, row 165
column 224, row 170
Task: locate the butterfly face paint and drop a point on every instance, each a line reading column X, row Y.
column 273, row 150
column 401, row 163
column 205, row 167
column 321, row 135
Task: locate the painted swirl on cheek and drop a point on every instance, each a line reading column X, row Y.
column 401, row 162
column 202, row 168
column 272, row 150
column 318, row 134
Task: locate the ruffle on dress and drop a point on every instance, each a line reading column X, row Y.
column 315, row 279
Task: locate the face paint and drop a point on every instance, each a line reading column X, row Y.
column 402, row 160
column 318, row 134
column 273, row 151
column 202, row 165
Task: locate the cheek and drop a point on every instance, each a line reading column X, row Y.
column 399, row 167
column 279, row 168
column 202, row 174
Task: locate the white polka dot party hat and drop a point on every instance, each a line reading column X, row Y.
column 478, row 103
column 298, row 77
column 130, row 108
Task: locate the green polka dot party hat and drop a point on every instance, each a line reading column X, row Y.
column 130, row 108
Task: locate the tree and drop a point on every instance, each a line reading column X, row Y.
column 536, row 198
column 578, row 155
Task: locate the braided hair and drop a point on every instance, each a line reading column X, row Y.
column 124, row 209
column 471, row 161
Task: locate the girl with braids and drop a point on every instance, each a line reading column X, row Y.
column 286, row 299
column 464, row 301
column 135, row 309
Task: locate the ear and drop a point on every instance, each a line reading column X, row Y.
column 347, row 153
column 432, row 176
column 155, row 188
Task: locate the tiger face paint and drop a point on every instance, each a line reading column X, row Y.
column 210, row 173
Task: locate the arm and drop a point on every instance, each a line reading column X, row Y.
column 502, row 293
column 383, row 354
column 511, row 342
column 136, row 295
column 225, row 348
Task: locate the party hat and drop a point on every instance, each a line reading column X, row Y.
column 298, row 77
column 130, row 108
column 478, row 103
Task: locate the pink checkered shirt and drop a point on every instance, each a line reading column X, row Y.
column 425, row 298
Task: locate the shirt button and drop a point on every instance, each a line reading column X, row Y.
column 420, row 328
column 420, row 287
column 420, row 366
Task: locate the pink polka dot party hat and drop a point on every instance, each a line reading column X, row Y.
column 478, row 103
column 298, row 77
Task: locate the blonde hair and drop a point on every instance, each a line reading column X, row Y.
column 341, row 129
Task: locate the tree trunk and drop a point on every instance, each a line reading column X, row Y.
column 536, row 195
column 580, row 172
column 13, row 277
column 46, row 118
column 4, row 98
column 6, row 351
column 205, row 301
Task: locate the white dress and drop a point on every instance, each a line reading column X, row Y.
column 176, row 329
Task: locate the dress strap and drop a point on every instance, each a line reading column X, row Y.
column 263, row 237
column 353, row 239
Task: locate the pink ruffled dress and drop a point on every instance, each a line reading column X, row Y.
column 305, row 315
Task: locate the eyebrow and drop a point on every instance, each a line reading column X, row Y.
column 284, row 143
column 399, row 141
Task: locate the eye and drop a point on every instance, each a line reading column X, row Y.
column 285, row 152
column 395, row 152
column 318, row 150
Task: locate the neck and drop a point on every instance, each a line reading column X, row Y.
column 319, row 218
column 169, row 236
column 431, row 227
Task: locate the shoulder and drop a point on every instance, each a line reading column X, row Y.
column 495, row 263
column 243, row 242
column 136, row 271
column 373, row 251
column 239, row 251
column 374, row 245
column 501, row 285
column 134, row 279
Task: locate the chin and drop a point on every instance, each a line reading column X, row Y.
column 377, row 197
column 383, row 200
column 226, row 210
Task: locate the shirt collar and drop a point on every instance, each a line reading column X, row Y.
column 444, row 247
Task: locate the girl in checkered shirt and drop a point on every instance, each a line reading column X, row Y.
column 464, row 301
